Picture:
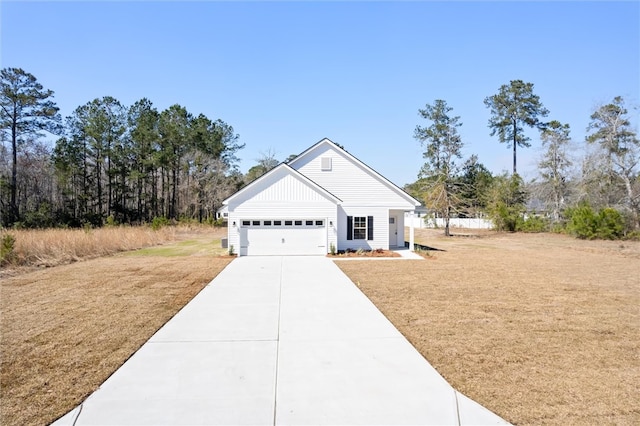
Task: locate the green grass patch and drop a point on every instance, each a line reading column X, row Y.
column 199, row 247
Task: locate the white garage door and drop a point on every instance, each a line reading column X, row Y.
column 279, row 237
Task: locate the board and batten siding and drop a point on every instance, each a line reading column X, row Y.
column 281, row 196
column 349, row 181
column 281, row 187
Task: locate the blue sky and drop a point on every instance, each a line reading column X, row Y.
column 287, row 74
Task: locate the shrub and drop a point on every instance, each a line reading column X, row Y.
column 610, row 224
column 158, row 222
column 534, row 224
column 111, row 221
column 7, row 245
column 585, row 223
column 506, row 218
column 231, row 250
column 332, row 249
column 582, row 222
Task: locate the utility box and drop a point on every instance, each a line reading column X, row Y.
column 225, row 242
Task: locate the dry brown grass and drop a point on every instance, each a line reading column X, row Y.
column 51, row 247
column 541, row 329
column 66, row 329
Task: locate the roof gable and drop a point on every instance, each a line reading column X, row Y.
column 352, row 179
column 282, row 183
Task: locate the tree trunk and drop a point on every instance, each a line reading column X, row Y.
column 13, row 206
column 515, row 144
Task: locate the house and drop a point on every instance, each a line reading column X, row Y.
column 322, row 199
column 222, row 213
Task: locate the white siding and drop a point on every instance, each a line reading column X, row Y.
column 282, row 186
column 380, row 228
column 281, row 196
column 349, row 181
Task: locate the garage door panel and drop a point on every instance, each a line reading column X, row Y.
column 284, row 240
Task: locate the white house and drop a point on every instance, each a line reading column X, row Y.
column 323, row 198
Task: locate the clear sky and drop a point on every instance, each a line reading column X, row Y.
column 287, row 74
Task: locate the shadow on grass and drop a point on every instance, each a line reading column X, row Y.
column 422, row 247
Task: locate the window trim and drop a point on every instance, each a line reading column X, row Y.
column 359, row 227
column 368, row 227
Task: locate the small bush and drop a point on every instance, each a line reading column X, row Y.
column 332, row 249
column 159, row 222
column 506, row 218
column 231, row 250
column 7, row 245
column 534, row 224
column 610, row 224
column 633, row 236
column 586, row 224
column 582, row 222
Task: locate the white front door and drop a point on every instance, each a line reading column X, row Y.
column 393, row 231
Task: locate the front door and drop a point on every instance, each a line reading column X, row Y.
column 393, row 231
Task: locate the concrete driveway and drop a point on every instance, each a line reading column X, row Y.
column 284, row 341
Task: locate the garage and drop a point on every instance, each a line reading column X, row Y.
column 278, row 237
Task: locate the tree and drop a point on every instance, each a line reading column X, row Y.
column 266, row 162
column 611, row 131
column 474, row 182
column 443, row 146
column 514, row 106
column 554, row 166
column 143, row 120
column 27, row 109
column 213, row 157
column 506, row 205
column 175, row 128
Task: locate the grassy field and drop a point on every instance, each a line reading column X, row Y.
column 52, row 247
column 66, row 329
column 541, row 329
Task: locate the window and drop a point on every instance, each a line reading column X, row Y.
column 246, row 223
column 277, row 222
column 288, row 223
column 309, row 223
column 267, row 223
column 359, row 228
column 298, row 223
column 319, row 222
column 256, row 223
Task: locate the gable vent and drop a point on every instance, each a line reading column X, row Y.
column 325, row 163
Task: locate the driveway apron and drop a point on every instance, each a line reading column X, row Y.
column 278, row 340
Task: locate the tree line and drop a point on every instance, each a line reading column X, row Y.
column 590, row 189
column 113, row 163
column 110, row 162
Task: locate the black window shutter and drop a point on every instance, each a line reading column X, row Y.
column 349, row 227
column 369, row 227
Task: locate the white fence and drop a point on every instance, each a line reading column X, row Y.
column 470, row 223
